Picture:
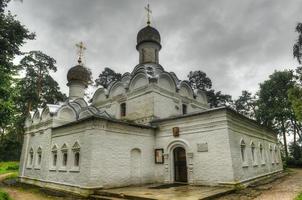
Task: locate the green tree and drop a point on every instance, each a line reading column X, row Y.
column 246, row 104
column 106, row 77
column 297, row 49
column 12, row 36
column 200, row 80
column 273, row 106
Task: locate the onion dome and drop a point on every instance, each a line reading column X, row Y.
column 148, row 34
column 79, row 73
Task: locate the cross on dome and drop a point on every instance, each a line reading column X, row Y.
column 81, row 49
column 149, row 11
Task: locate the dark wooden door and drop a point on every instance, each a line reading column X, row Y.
column 180, row 165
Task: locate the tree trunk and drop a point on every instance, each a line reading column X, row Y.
column 284, row 140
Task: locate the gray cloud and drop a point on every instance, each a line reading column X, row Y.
column 237, row 43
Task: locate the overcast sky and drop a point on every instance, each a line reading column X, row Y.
column 237, row 43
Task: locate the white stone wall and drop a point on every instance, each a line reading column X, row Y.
column 240, row 129
column 209, row 167
column 111, row 160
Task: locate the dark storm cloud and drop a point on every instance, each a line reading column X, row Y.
column 237, row 43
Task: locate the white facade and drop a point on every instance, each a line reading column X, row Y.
column 78, row 147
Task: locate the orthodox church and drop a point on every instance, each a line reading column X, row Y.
column 149, row 127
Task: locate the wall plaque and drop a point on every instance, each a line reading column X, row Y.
column 175, row 131
column 159, row 156
column 202, row 147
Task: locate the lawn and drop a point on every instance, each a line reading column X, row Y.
column 299, row 197
column 7, row 167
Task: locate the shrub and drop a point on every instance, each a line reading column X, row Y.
column 299, row 197
column 291, row 162
column 4, row 196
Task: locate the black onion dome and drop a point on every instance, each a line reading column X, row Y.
column 148, row 34
column 79, row 73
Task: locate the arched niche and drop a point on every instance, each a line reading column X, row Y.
column 36, row 117
column 67, row 113
column 167, row 82
column 116, row 89
column 138, row 80
column 186, row 90
column 135, row 166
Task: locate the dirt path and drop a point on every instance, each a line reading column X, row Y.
column 288, row 189
column 285, row 188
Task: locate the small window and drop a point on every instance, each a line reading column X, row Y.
column 261, row 152
column 31, row 156
column 54, row 158
column 242, row 147
column 77, row 159
column 123, row 109
column 253, row 151
column 184, row 109
column 39, row 155
column 65, row 157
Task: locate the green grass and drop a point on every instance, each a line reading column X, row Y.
column 299, row 197
column 4, row 195
column 7, row 167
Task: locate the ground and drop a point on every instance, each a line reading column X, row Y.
column 285, row 188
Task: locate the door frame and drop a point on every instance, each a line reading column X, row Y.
column 174, row 170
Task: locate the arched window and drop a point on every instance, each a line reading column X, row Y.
column 39, row 155
column 242, row 148
column 54, row 156
column 276, row 155
column 64, row 150
column 271, row 154
column 123, row 109
column 76, row 150
column 31, row 157
column 77, row 159
column 184, row 109
column 261, row 153
column 253, row 151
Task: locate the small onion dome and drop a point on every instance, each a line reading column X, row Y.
column 79, row 73
column 148, row 34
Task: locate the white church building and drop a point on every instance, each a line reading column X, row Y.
column 149, row 127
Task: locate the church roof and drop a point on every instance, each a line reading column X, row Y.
column 79, row 73
column 148, row 34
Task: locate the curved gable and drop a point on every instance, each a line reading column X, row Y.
column 99, row 96
column 67, row 113
column 167, row 82
column 36, row 117
column 116, row 89
column 139, row 80
column 186, row 90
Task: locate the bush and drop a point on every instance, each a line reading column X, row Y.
column 4, row 196
column 6, row 167
column 291, row 162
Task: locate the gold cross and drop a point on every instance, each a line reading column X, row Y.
column 148, row 14
column 81, row 49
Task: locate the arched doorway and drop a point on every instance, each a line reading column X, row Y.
column 180, row 165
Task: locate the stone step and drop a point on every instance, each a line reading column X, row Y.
column 120, row 195
column 100, row 197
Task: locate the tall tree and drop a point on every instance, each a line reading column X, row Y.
column 38, row 88
column 200, row 80
column 274, row 108
column 297, row 49
column 12, row 36
column 246, row 104
column 106, row 77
